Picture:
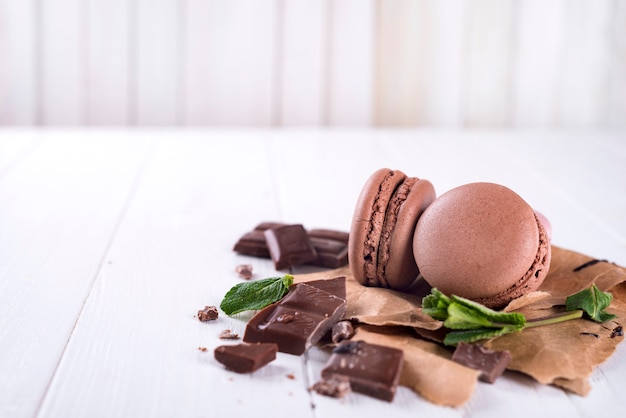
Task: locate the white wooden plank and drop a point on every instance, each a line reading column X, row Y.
column 350, row 100
column 157, row 67
column 443, row 62
column 108, row 62
column 173, row 256
column 399, row 81
column 302, row 66
column 488, row 65
column 583, row 87
column 617, row 76
column 230, row 63
column 61, row 65
column 15, row 144
column 18, row 58
column 60, row 208
column 538, row 63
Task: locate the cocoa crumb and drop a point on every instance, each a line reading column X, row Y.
column 209, row 313
column 203, row 349
column 244, row 271
column 618, row 331
column 291, row 376
column 228, row 335
column 336, row 386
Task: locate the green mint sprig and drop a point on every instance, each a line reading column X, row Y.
column 254, row 295
column 470, row 321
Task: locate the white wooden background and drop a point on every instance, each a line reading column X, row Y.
column 443, row 63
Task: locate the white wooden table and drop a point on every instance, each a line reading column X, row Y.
column 111, row 240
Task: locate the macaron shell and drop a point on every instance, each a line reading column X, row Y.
column 532, row 279
column 476, row 240
column 401, row 270
column 367, row 224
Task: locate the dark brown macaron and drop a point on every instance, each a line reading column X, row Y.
column 380, row 249
column 482, row 241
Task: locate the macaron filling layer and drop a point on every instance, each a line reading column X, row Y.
column 391, row 218
column 376, row 225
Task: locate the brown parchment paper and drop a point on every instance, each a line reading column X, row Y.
column 562, row 354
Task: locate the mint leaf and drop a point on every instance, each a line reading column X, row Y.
column 436, row 305
column 466, row 314
column 254, row 295
column 593, row 302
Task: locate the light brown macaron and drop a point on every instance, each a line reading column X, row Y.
column 482, row 241
column 380, row 249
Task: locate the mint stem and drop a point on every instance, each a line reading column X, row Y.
column 554, row 319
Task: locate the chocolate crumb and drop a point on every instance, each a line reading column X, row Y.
column 591, row 334
column 228, row 335
column 336, row 386
column 202, row 349
column 342, row 330
column 618, row 331
column 244, row 271
column 291, row 376
column 209, row 313
column 589, row 264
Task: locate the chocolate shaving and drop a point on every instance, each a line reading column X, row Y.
column 589, row 264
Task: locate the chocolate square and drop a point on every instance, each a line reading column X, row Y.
column 373, row 370
column 289, row 246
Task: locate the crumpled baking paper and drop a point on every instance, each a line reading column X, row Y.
column 562, row 355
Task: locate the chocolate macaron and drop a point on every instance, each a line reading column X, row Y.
column 482, row 241
column 380, row 249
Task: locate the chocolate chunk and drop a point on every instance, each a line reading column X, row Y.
column 336, row 386
column 252, row 243
column 342, row 330
column 330, row 253
column 490, row 363
column 372, row 369
column 329, row 234
column 335, row 286
column 245, row 358
column 289, row 246
column 297, row 321
column 330, row 245
column 209, row 313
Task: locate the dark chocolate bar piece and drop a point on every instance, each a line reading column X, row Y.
column 373, row 370
column 329, row 234
column 252, row 243
column 330, row 253
column 289, row 246
column 330, row 245
column 490, row 363
column 335, row 286
column 245, row 358
column 297, row 321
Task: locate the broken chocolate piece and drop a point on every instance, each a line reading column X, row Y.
column 245, row 358
column 342, row 330
column 490, row 363
column 289, row 246
column 372, row 369
column 329, row 234
column 330, row 245
column 335, row 386
column 244, row 271
column 335, row 286
column 330, row 253
column 298, row 321
column 209, row 313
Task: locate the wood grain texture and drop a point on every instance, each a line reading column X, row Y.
column 112, row 240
